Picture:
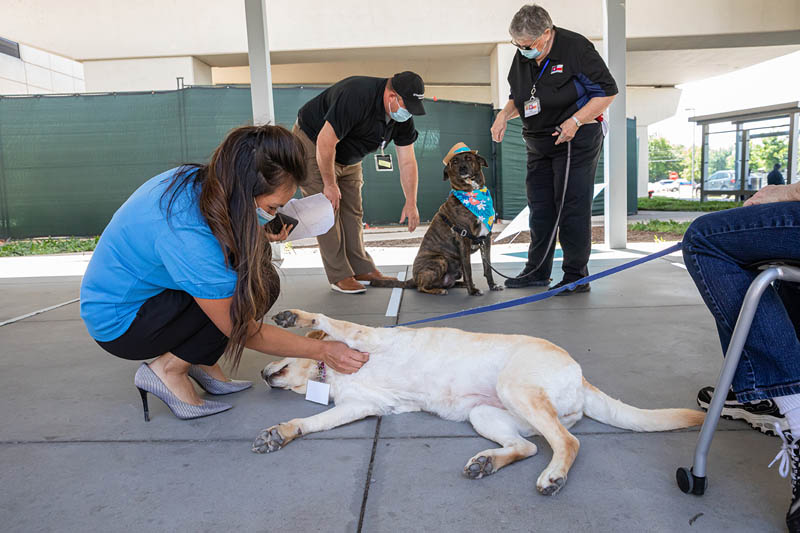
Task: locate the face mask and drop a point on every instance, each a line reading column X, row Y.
column 531, row 54
column 263, row 216
column 401, row 115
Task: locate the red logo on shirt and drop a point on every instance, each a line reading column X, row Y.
column 557, row 69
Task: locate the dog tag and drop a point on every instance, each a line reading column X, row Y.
column 383, row 162
column 532, row 107
column 317, row 392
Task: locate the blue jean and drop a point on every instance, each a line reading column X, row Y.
column 717, row 249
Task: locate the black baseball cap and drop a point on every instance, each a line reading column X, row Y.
column 411, row 89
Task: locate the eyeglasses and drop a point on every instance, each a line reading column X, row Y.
column 529, row 47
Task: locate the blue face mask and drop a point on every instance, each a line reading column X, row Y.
column 531, row 54
column 401, row 115
column 263, row 216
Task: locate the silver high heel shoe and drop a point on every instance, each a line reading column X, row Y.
column 147, row 381
column 215, row 386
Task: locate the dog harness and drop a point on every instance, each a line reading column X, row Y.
column 479, row 202
column 463, row 232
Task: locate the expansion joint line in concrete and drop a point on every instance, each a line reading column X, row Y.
column 39, row 312
column 369, row 475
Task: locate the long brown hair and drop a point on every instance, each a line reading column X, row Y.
column 251, row 161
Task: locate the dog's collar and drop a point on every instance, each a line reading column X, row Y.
column 321, row 371
column 463, row 232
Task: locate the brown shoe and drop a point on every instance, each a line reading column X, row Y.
column 348, row 286
column 374, row 275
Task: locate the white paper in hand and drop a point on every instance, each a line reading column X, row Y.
column 318, row 392
column 314, row 214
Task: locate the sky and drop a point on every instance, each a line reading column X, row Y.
column 772, row 82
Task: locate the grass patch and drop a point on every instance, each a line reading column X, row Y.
column 660, row 203
column 48, row 245
column 660, row 226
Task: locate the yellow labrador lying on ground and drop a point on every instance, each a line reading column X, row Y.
column 508, row 386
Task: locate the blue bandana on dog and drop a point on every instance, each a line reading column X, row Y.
column 479, row 202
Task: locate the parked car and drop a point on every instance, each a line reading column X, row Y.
column 721, row 180
column 669, row 185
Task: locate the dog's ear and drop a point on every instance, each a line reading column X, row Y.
column 316, row 334
column 482, row 161
column 446, row 177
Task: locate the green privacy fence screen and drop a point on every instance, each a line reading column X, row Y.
column 68, row 162
column 511, row 163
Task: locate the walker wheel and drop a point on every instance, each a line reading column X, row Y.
column 689, row 483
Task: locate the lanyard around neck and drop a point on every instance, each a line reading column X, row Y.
column 533, row 89
column 387, row 134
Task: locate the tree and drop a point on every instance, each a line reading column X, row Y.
column 720, row 159
column 664, row 158
column 686, row 156
column 771, row 150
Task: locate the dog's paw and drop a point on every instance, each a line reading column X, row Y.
column 480, row 466
column 270, row 440
column 475, row 292
column 549, row 487
column 296, row 318
column 497, row 287
column 285, row 319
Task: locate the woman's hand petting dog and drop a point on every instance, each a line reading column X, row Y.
column 341, row 357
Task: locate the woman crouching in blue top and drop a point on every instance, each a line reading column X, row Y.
column 183, row 273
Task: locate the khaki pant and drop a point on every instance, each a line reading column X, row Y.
column 342, row 247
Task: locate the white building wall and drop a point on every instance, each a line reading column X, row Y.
column 501, row 59
column 465, row 80
column 153, row 74
column 649, row 105
column 39, row 72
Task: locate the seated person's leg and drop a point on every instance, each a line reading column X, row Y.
column 717, row 248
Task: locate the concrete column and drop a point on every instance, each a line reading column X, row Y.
column 260, row 74
column 258, row 57
column 500, row 63
column 616, row 173
column 643, row 158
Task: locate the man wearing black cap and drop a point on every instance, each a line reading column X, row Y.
column 352, row 118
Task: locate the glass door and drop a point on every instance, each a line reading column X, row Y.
column 766, row 156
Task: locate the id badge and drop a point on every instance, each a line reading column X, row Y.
column 383, row 162
column 532, row 107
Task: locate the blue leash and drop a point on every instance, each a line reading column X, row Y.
column 547, row 294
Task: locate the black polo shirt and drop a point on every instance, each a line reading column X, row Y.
column 572, row 74
column 354, row 107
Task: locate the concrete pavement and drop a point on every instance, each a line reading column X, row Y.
column 76, row 454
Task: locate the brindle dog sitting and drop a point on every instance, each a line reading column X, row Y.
column 443, row 256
